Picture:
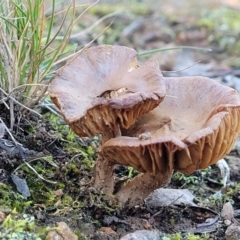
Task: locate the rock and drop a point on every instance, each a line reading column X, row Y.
column 53, row 235
column 146, row 224
column 143, row 235
column 227, row 222
column 232, row 232
column 62, row 233
column 227, row 211
column 66, row 232
column 107, row 231
column 165, row 197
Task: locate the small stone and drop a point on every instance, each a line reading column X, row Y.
column 166, row 197
column 107, row 231
column 53, row 235
column 143, row 235
column 65, row 232
column 227, row 222
column 227, row 211
column 146, row 224
column 232, row 232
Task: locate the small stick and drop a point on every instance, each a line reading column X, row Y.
column 183, row 68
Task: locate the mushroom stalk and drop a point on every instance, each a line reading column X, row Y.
column 137, row 189
column 104, row 175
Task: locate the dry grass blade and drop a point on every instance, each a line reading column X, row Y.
column 29, row 48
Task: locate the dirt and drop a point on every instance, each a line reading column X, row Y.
column 50, row 147
column 73, row 201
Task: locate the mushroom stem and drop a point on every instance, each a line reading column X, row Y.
column 137, row 189
column 104, row 176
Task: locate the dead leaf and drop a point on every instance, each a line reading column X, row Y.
column 21, row 185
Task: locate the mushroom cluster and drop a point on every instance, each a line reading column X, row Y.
column 152, row 123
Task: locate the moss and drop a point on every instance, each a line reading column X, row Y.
column 10, row 199
column 21, row 227
column 189, row 236
column 59, row 185
column 88, row 162
column 223, row 25
column 72, row 168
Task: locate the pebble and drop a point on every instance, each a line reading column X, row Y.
column 63, row 232
column 232, row 232
column 143, row 235
column 227, row 222
column 107, row 231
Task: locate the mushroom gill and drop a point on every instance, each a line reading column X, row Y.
column 192, row 129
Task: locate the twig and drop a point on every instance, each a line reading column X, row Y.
column 207, row 224
column 183, row 68
column 26, row 84
column 48, row 106
column 17, row 102
column 10, row 134
column 214, row 74
column 39, row 175
column 158, row 212
column 173, row 48
column 87, row 30
column 75, row 55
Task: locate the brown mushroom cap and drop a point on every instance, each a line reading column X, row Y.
column 104, row 87
column 195, row 128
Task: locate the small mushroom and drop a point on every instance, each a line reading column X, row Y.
column 103, row 89
column 191, row 130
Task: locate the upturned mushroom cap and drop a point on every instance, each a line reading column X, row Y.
column 191, row 130
column 104, row 87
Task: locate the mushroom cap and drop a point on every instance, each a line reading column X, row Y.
column 194, row 127
column 103, row 87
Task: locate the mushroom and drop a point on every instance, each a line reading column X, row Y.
column 103, row 90
column 191, row 130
